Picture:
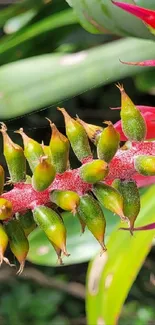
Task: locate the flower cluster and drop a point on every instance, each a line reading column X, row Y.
column 110, row 178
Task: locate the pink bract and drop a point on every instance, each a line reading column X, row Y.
column 146, row 15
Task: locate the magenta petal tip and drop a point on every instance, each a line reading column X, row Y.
column 146, row 15
column 147, row 63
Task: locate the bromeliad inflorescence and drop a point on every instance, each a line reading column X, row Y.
column 110, row 179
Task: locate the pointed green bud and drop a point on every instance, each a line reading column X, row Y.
column 14, row 156
column 66, row 200
column 133, row 123
column 94, row 171
column 131, row 199
column 91, row 214
column 2, row 177
column 108, row 143
column 59, row 146
column 47, row 152
column 77, row 136
column 93, row 131
column 19, row 244
column 32, row 149
column 110, row 198
column 5, row 209
column 58, row 252
column 3, row 245
column 43, row 175
column 52, row 224
column 145, row 165
column 82, row 223
column 27, row 222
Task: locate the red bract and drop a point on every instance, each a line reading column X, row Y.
column 146, row 15
column 150, row 122
column 142, row 108
column 147, row 63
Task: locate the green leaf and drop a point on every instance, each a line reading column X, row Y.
column 34, row 83
column 110, row 277
column 100, row 16
column 81, row 248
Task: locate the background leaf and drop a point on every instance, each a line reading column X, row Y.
column 57, row 20
column 145, row 81
column 111, row 276
column 34, row 83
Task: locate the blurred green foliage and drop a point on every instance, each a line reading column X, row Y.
column 50, row 29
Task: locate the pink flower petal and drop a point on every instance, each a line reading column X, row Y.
column 143, row 181
column 147, row 15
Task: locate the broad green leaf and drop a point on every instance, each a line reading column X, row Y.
column 37, row 82
column 111, row 275
column 100, row 16
column 82, row 248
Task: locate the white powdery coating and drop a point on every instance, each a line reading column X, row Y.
column 100, row 321
column 42, row 250
column 96, row 272
column 122, row 165
column 108, row 280
column 72, row 59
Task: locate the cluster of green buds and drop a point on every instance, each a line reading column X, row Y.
column 106, row 180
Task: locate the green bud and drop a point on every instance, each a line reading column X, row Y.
column 19, row 244
column 58, row 252
column 5, row 209
column 2, row 176
column 91, row 214
column 82, row 223
column 52, row 224
column 28, row 179
column 32, row 150
column 108, row 142
column 77, row 137
column 145, row 165
column 59, row 146
column 131, row 199
column 94, row 171
column 110, row 198
column 27, row 222
column 43, row 175
column 66, row 200
column 14, row 156
column 93, row 131
column 3, row 246
column 47, row 152
column 133, row 123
